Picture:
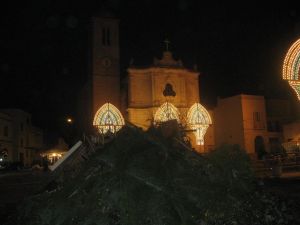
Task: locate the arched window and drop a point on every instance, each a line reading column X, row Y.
column 106, row 36
column 108, row 119
column 165, row 112
column 198, row 120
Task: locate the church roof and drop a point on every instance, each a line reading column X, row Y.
column 168, row 61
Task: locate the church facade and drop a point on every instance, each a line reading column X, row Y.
column 165, row 81
column 164, row 91
column 167, row 90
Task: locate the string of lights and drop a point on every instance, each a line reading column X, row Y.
column 291, row 67
column 108, row 119
column 199, row 120
column 165, row 112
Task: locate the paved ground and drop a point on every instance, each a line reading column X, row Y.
column 14, row 187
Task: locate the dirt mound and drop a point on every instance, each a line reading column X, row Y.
column 144, row 179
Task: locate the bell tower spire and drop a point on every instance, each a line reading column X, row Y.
column 167, row 43
column 105, row 63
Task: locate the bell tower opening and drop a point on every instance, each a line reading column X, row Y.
column 106, row 36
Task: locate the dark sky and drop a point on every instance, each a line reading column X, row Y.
column 43, row 59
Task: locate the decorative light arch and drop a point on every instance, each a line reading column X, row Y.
column 291, row 67
column 108, row 119
column 198, row 120
column 165, row 112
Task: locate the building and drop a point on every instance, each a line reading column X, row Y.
column 241, row 119
column 279, row 113
column 18, row 137
column 163, row 91
column 291, row 141
column 251, row 121
column 292, row 132
column 166, row 90
column 6, row 141
column 148, row 87
column 103, row 84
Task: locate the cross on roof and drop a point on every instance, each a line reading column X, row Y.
column 167, row 42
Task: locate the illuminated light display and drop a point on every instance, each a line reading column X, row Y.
column 52, row 157
column 165, row 112
column 108, row 119
column 291, row 67
column 198, row 120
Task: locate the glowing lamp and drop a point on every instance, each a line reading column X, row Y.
column 291, row 67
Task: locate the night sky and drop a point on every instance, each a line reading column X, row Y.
column 44, row 48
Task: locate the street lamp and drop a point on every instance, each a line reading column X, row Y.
column 69, row 120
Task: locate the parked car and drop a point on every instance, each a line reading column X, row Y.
column 3, row 159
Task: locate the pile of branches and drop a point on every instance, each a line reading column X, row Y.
column 143, row 178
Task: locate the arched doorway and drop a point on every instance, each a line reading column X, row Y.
column 108, row 119
column 259, row 147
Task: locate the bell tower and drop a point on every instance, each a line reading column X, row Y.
column 105, row 63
